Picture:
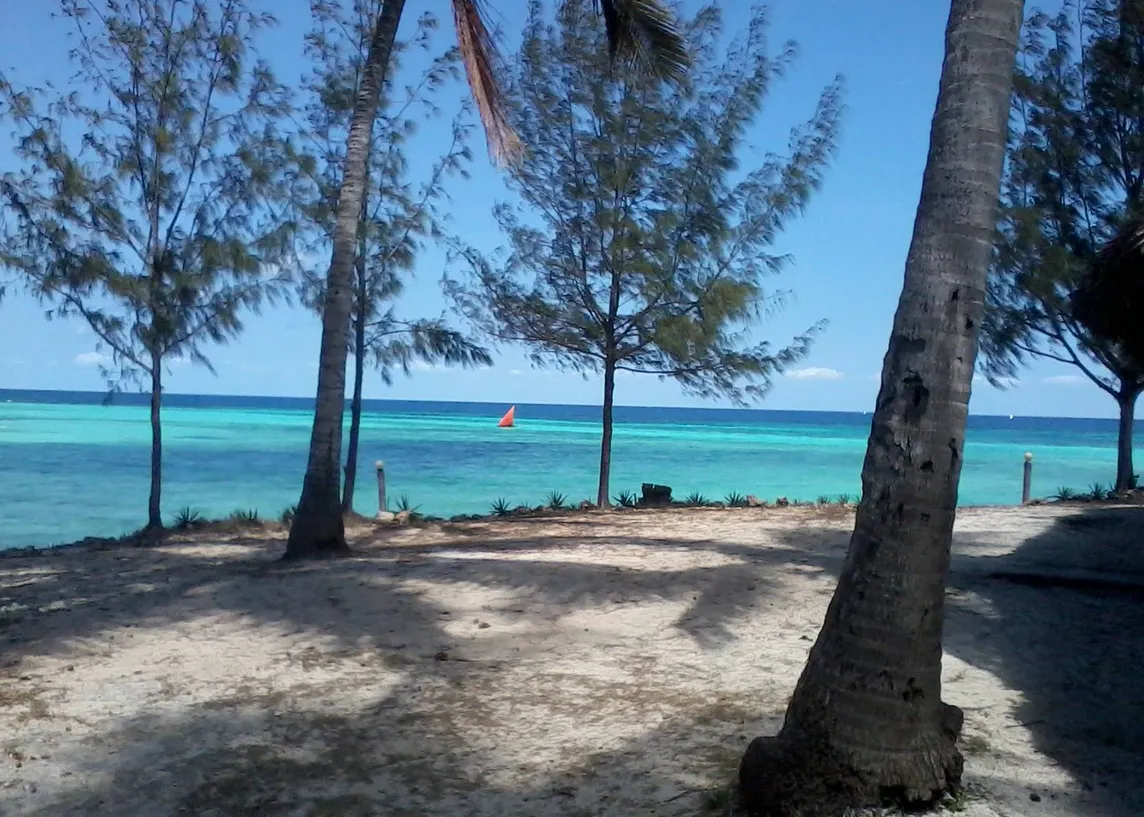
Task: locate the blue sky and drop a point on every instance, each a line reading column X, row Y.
column 848, row 250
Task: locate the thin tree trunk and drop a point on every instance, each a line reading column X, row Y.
column 602, row 495
column 154, row 500
column 318, row 528
column 355, row 402
column 866, row 720
column 1125, row 471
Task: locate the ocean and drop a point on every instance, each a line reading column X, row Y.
column 71, row 466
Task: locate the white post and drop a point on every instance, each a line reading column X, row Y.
column 380, row 465
column 1027, row 482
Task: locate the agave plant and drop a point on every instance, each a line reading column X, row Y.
column 823, row 499
column 844, row 499
column 1065, row 494
column 696, row 500
column 1097, row 492
column 735, row 500
column 405, row 505
column 501, row 507
column 625, row 499
column 248, row 516
column 555, row 501
column 187, row 518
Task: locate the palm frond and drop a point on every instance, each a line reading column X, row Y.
column 479, row 52
column 646, row 32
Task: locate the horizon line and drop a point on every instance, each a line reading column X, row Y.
column 535, row 403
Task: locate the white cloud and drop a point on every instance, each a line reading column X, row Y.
column 91, row 359
column 815, row 373
column 515, row 372
column 1065, row 380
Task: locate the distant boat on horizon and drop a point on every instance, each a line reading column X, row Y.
column 509, row 418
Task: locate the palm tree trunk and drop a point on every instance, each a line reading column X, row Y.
column 154, row 500
column 1125, row 471
column 360, row 309
column 318, row 528
column 602, row 499
column 866, row 719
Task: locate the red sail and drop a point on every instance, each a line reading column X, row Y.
column 507, row 420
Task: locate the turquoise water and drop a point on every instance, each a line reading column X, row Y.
column 71, row 467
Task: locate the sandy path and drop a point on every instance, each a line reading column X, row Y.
column 597, row 665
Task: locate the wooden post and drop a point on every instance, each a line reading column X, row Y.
column 380, row 465
column 1027, row 482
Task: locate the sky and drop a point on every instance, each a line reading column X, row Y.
column 848, row 250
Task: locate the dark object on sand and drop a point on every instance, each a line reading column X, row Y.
column 655, row 496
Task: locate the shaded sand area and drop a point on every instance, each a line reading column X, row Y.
column 590, row 664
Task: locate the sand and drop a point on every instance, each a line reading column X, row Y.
column 593, row 664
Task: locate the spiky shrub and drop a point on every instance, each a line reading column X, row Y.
column 555, row 501
column 187, row 518
column 287, row 515
column 823, row 499
column 625, row 499
column 247, row 516
column 1064, row 494
column 501, row 507
column 696, row 500
column 404, row 504
column 1097, row 492
column 844, row 499
column 735, row 500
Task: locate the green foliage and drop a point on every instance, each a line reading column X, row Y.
column 696, row 500
column 555, row 501
column 169, row 217
column 1074, row 175
column 288, row 514
column 501, row 507
column 400, row 212
column 1065, row 494
column 1097, row 492
column 404, row 504
column 248, row 516
column 625, row 499
column 844, row 499
column 151, row 202
column 823, row 499
column 735, row 500
column 640, row 244
column 187, row 518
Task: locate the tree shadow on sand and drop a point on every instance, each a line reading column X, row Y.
column 401, row 708
column 1060, row 620
column 76, row 599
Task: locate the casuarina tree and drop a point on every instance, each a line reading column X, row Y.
column 642, row 36
column 152, row 202
column 399, row 211
column 646, row 224
column 866, row 722
column 1109, row 300
column 1074, row 180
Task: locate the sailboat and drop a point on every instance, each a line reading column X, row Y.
column 508, row 419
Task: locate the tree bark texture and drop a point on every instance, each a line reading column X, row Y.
column 318, row 528
column 155, row 497
column 866, row 722
column 355, row 402
column 1125, row 470
column 602, row 493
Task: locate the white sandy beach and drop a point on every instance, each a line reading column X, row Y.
column 595, row 664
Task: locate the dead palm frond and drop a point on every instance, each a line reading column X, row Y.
column 1111, row 293
column 479, row 52
column 642, row 32
column 645, row 32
